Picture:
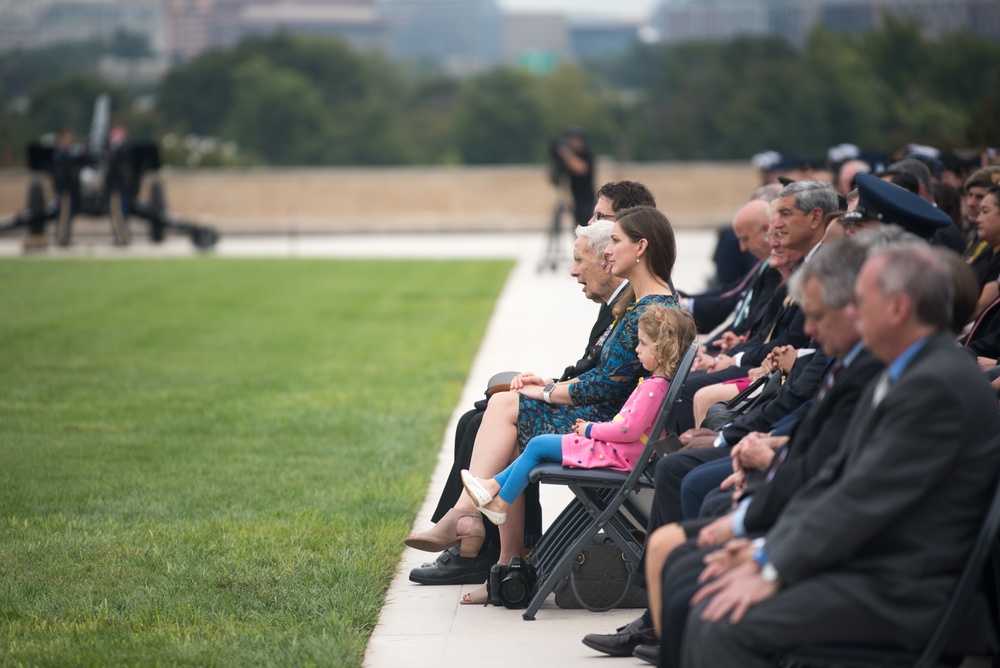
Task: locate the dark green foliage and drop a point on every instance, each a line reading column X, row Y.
column 498, row 119
column 70, row 101
column 307, row 100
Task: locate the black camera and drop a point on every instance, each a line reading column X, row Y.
column 511, row 585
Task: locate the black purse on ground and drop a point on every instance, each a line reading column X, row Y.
column 601, row 579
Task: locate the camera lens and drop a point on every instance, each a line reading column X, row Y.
column 514, row 591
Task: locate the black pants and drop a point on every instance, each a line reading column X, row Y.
column 670, row 471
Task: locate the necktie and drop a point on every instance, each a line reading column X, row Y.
column 782, row 454
column 774, row 326
column 743, row 307
column 829, row 380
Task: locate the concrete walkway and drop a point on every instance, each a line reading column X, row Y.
column 540, row 324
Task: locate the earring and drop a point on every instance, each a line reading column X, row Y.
column 637, row 259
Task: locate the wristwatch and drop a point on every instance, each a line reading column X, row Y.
column 547, row 392
column 767, row 570
column 770, row 574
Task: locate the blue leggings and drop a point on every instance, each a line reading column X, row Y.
column 514, row 479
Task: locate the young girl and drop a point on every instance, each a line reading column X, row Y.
column 664, row 333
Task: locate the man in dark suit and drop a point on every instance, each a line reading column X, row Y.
column 870, row 549
column 67, row 159
column 796, row 227
column 824, row 288
column 599, row 286
column 740, row 303
column 118, row 184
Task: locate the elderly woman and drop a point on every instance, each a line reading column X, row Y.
column 642, row 250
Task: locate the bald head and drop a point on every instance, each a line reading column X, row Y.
column 849, row 170
column 750, row 226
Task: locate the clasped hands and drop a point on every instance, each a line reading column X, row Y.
column 521, row 380
column 705, row 362
column 732, row 580
column 781, row 358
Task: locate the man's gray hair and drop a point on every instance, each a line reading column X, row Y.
column 888, row 235
column 598, row 233
column 836, row 264
column 812, row 194
column 767, row 192
column 923, row 276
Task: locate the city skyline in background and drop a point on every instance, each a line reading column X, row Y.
column 463, row 37
column 629, row 10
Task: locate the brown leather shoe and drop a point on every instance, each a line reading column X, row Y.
column 624, row 641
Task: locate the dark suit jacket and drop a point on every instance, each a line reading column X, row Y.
column 593, row 353
column 814, row 440
column 891, row 517
column 802, row 384
column 782, row 325
column 712, row 308
column 949, row 237
column 984, row 337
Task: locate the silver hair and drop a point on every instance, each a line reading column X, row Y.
column 598, row 233
column 836, row 264
column 767, row 192
column 880, row 237
column 812, row 194
column 920, row 274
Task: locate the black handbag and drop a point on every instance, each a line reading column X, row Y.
column 600, row 579
column 722, row 413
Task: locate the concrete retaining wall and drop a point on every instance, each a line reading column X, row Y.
column 335, row 200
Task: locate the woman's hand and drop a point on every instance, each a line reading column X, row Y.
column 522, row 379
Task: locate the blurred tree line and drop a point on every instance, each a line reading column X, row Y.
column 287, row 100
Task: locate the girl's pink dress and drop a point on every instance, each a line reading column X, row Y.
column 618, row 443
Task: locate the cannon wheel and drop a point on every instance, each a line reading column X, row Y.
column 204, row 237
column 158, row 211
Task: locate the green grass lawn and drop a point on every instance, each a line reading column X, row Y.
column 215, row 462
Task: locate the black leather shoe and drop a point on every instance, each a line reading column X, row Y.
column 451, row 569
column 624, row 641
column 648, row 653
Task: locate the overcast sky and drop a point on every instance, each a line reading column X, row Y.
column 618, row 8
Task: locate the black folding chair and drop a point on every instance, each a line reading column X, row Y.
column 985, row 555
column 602, row 501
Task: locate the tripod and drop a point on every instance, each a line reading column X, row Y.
column 554, row 253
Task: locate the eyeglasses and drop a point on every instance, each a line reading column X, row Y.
column 603, row 216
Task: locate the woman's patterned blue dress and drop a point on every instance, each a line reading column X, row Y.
column 600, row 392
